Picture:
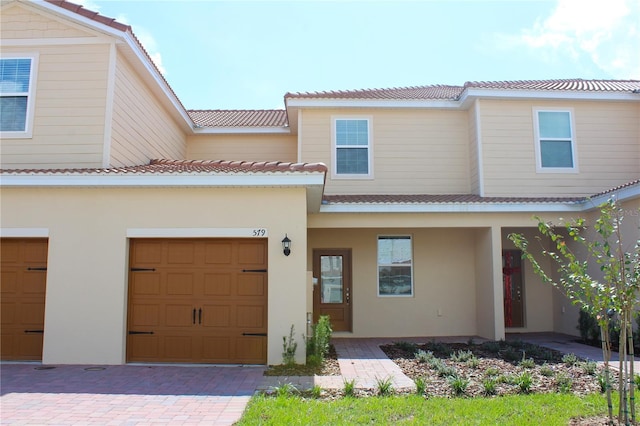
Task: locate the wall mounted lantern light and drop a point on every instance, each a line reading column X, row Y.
column 286, row 245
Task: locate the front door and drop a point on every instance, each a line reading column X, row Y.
column 332, row 287
column 513, row 290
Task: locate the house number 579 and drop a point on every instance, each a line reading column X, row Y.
column 260, row 232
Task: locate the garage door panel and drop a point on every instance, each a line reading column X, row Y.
column 216, row 349
column 144, row 315
column 23, row 293
column 147, row 253
column 218, row 253
column 250, row 284
column 203, row 277
column 251, row 349
column 179, row 315
column 217, row 284
column 145, row 283
column 217, row 316
column 181, row 253
column 251, row 316
column 252, row 253
column 180, row 283
column 9, row 285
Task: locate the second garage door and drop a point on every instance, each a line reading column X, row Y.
column 198, row 301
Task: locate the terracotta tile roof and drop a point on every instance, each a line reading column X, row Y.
column 440, row 199
column 444, row 92
column 618, row 188
column 95, row 16
column 183, row 166
column 239, row 118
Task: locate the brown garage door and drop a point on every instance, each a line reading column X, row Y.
column 22, row 289
column 198, row 301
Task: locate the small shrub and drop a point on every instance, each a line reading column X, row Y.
column 424, row 356
column 527, row 363
column 470, row 342
column 289, row 348
column 489, row 386
column 458, row 385
column 589, row 367
column 588, row 327
column 524, row 381
column 316, row 391
column 439, row 348
column 473, row 362
column 564, row 383
column 285, row 389
column 437, row 364
column 507, row 379
column 570, row 360
column 384, row 387
column 421, row 385
column 491, row 372
column 491, row 347
column 636, row 380
column 406, row 346
column 350, row 388
column 511, row 354
column 602, row 382
column 545, row 370
column 318, row 343
column 461, row 356
column 447, row 371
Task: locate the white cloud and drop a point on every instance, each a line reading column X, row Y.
column 605, row 32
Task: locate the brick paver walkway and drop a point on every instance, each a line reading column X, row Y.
column 125, row 394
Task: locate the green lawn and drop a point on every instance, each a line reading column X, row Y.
column 539, row 409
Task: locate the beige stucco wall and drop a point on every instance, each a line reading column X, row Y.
column 444, row 301
column 70, row 92
column 142, row 129
column 246, row 147
column 86, row 301
column 414, row 151
column 607, row 141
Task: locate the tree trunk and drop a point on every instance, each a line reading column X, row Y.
column 606, row 354
column 632, row 375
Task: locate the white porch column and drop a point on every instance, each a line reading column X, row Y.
column 489, row 304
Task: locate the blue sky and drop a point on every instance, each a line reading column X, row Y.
column 247, row 55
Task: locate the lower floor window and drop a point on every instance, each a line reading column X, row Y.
column 395, row 266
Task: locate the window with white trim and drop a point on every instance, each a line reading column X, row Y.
column 555, row 140
column 352, row 147
column 16, row 95
column 395, row 266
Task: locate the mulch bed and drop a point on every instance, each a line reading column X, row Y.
column 501, row 360
column 330, row 367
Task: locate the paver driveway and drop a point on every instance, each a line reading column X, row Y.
column 125, row 394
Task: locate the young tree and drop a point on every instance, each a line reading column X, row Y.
column 613, row 291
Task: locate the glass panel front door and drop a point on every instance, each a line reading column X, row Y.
column 331, row 282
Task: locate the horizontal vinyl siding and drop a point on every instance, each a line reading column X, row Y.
column 243, row 147
column 142, row 129
column 474, row 179
column 414, row 151
column 607, row 140
column 18, row 22
column 68, row 124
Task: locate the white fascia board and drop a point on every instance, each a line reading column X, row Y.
column 213, row 181
column 452, row 208
column 151, row 69
column 371, row 103
column 547, row 94
column 240, row 130
column 623, row 194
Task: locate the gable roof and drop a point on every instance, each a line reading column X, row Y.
column 239, row 118
column 454, row 93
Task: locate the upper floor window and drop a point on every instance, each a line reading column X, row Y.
column 555, row 147
column 395, row 266
column 352, row 148
column 16, row 96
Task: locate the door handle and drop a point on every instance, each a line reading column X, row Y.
column 348, row 297
column 200, row 316
column 194, row 315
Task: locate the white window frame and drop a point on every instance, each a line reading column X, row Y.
column 334, row 148
column 410, row 237
column 31, row 96
column 538, row 145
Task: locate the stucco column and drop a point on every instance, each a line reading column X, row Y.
column 489, row 308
